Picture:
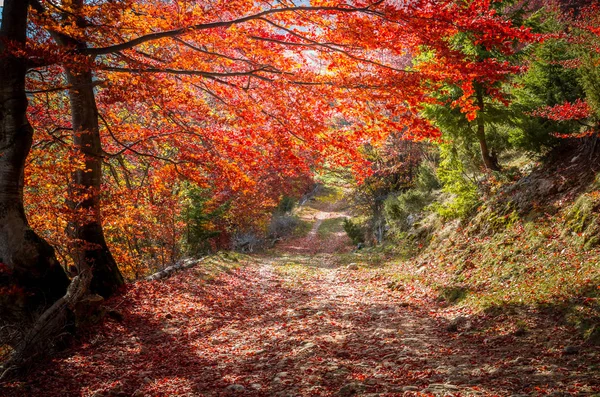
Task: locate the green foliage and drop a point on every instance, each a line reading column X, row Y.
column 355, row 231
column 331, row 226
column 286, row 205
column 398, row 209
column 499, row 121
column 427, row 180
column 395, row 168
column 302, row 228
column 456, row 182
column 546, row 83
column 453, row 124
column 200, row 219
column 589, row 77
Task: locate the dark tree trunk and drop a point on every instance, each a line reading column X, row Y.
column 91, row 248
column 490, row 161
column 31, row 278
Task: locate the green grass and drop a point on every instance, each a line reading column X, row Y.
column 369, row 256
column 331, row 226
column 211, row 266
column 302, row 229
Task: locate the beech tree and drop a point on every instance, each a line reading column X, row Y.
column 31, row 278
column 85, row 228
column 231, row 80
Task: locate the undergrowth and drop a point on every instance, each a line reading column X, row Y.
column 500, row 260
column 526, row 265
column 331, row 226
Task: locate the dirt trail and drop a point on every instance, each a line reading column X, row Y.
column 329, row 242
column 296, row 323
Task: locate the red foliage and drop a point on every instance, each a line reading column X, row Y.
column 577, row 110
column 241, row 99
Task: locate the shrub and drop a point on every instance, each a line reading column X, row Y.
column 355, row 231
column 286, row 205
column 402, row 210
column 282, row 225
column 427, row 180
column 462, row 189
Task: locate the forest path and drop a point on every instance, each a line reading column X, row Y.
column 325, row 215
column 299, row 326
column 298, row 321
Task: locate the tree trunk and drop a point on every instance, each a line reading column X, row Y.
column 491, row 162
column 90, row 244
column 31, row 278
column 90, row 249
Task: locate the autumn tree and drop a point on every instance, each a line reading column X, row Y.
column 31, row 278
column 198, row 90
column 85, row 228
column 235, row 96
column 486, row 45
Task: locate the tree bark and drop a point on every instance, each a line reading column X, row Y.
column 490, row 162
column 86, row 230
column 90, row 249
column 31, row 277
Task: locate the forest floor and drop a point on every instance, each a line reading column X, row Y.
column 301, row 321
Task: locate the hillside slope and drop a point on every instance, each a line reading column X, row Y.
column 528, row 257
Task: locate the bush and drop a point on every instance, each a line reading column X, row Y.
column 427, row 180
column 545, row 83
column 246, row 242
column 286, row 205
column 355, row 231
column 402, row 210
column 283, row 225
column 462, row 190
column 463, row 201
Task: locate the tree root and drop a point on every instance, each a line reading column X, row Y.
column 48, row 326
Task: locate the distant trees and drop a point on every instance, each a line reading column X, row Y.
column 394, row 169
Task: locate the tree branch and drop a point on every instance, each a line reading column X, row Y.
column 213, row 25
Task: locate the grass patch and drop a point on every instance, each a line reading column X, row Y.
column 302, row 229
column 208, row 268
column 331, row 226
column 453, row 294
column 367, row 257
column 330, row 198
column 526, row 265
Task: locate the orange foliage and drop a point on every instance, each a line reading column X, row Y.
column 242, row 97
